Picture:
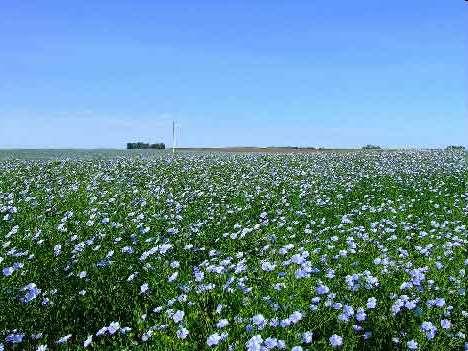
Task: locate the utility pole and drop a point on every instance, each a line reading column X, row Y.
column 173, row 137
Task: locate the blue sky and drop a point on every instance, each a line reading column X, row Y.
column 317, row 72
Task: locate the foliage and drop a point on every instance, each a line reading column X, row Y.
column 371, row 147
column 455, row 147
column 140, row 145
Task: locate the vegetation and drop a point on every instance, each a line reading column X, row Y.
column 371, row 147
column 455, row 147
column 151, row 251
column 140, row 145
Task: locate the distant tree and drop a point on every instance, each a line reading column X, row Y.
column 371, row 147
column 455, row 147
column 159, row 146
column 140, row 145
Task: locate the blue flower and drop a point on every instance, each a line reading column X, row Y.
column 7, row 271
column 412, row 345
column 15, row 338
column 336, row 340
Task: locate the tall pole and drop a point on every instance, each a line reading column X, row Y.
column 173, row 137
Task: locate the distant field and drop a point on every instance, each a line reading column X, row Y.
column 252, row 149
column 110, row 153
column 45, row 154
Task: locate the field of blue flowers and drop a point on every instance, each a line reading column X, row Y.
column 321, row 251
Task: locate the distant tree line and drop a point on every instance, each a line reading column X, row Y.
column 455, row 147
column 141, row 145
column 371, row 147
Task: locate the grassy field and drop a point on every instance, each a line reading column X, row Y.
column 74, row 154
column 143, row 250
column 79, row 154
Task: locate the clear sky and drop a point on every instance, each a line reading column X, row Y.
column 316, row 72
